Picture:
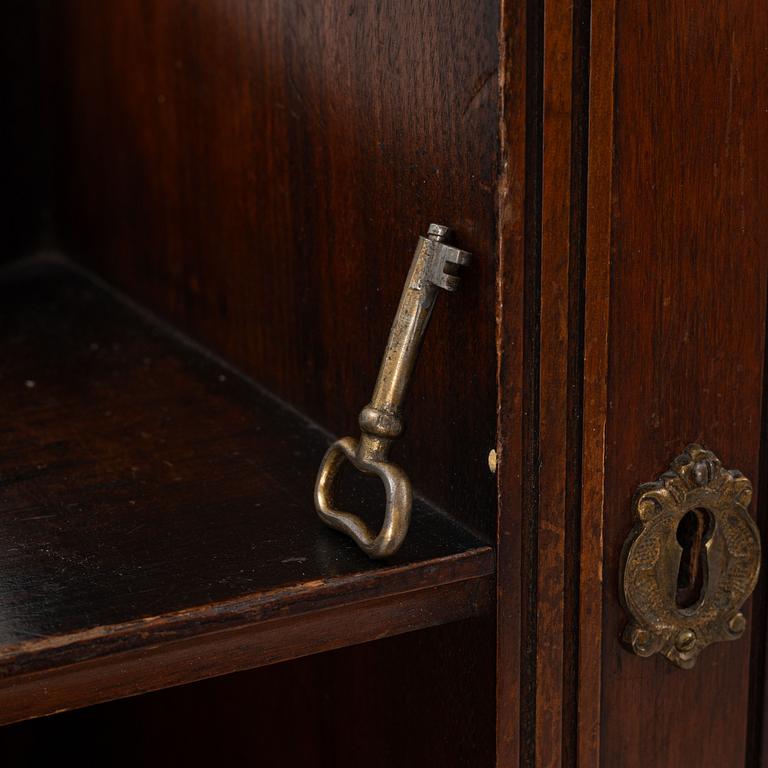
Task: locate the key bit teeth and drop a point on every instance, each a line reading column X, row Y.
column 442, row 261
column 449, row 282
column 455, row 255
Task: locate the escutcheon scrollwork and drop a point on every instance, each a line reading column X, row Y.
column 728, row 558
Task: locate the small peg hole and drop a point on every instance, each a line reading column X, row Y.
column 693, row 532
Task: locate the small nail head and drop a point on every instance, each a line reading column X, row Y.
column 737, row 624
column 685, row 641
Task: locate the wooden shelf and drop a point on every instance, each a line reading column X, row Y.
column 156, row 517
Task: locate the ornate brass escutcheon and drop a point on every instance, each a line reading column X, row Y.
column 691, row 561
column 435, row 265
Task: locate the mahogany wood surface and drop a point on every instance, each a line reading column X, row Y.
column 689, row 238
column 645, row 311
column 151, row 499
column 211, row 652
column 513, row 393
column 556, row 66
column 553, row 353
column 597, row 286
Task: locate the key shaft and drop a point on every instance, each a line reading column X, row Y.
column 433, row 268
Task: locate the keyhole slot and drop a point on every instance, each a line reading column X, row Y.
column 693, row 532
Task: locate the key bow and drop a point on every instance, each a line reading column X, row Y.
column 435, row 266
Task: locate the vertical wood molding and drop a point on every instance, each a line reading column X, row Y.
column 595, row 404
column 553, row 379
column 509, row 348
column 551, row 328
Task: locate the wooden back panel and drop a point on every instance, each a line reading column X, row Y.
column 259, row 173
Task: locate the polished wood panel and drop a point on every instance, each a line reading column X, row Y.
column 152, row 499
column 686, row 337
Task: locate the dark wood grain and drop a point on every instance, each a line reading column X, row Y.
column 552, row 349
column 597, row 290
column 152, row 496
column 268, row 716
column 554, row 353
column 686, row 337
column 259, row 174
column 24, row 184
column 512, row 402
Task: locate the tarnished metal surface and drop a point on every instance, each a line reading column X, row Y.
column 434, row 266
column 720, row 551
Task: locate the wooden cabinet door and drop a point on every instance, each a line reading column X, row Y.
column 646, row 253
column 685, row 338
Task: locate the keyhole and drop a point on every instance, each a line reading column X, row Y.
column 693, row 532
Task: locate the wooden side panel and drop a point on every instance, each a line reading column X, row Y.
column 687, row 316
column 510, row 322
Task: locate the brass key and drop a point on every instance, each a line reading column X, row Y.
column 434, row 266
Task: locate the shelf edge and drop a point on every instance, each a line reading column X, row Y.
column 295, row 601
column 212, row 654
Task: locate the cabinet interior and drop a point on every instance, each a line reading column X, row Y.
column 215, row 209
